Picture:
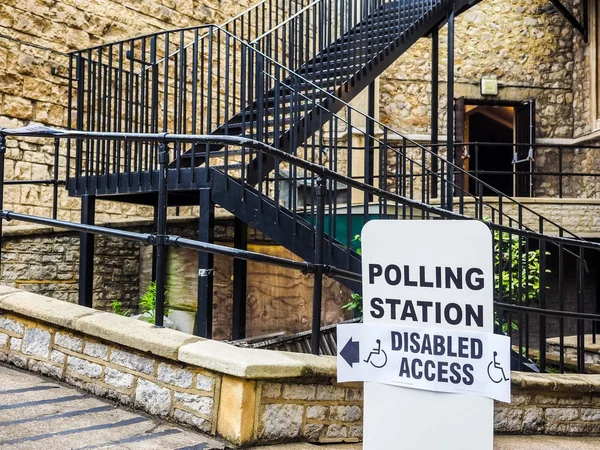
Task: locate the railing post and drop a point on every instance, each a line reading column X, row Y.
column 86, row 252
column 205, row 265
column 542, row 299
column 318, row 275
column 55, row 183
column 2, row 156
column 450, row 112
column 560, row 172
column 161, row 231
column 240, row 241
column 435, row 42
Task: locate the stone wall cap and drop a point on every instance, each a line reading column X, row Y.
column 42, row 308
column 555, row 382
column 134, row 333
column 571, row 342
column 164, row 342
column 256, row 363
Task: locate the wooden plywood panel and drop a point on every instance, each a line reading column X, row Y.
column 278, row 299
column 281, row 299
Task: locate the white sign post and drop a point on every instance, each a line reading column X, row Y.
column 426, row 351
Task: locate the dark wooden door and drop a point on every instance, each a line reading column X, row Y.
column 523, row 155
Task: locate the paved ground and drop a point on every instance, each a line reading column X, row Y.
column 39, row 413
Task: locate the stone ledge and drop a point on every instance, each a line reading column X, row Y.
column 256, row 363
column 171, row 344
column 556, row 382
column 46, row 309
column 571, row 342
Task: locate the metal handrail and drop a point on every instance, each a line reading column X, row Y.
column 41, row 131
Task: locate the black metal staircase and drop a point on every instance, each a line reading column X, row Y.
column 329, row 167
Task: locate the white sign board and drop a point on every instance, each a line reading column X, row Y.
column 427, row 274
column 425, row 358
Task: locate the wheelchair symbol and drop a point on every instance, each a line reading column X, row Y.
column 377, row 351
column 496, row 373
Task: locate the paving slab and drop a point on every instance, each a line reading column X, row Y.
column 37, row 413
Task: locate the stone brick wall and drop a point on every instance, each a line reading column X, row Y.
column 135, row 379
column 313, row 412
column 244, row 395
column 36, row 35
column 40, row 260
column 529, row 49
column 582, row 101
column 551, row 404
column 582, row 162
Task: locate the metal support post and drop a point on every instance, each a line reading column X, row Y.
column 318, row 275
column 240, row 272
column 55, row 181
column 161, row 231
column 86, row 252
column 435, row 79
column 206, row 233
column 154, row 229
column 2, row 156
column 450, row 114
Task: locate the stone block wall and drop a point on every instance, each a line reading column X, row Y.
column 131, row 378
column 312, row 411
column 527, row 45
column 36, row 37
column 46, row 261
column 551, row 404
column 245, row 395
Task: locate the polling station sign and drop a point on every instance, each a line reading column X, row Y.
column 425, row 358
column 428, row 292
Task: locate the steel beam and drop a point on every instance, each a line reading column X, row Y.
column 240, row 275
column 86, row 252
column 450, row 114
column 206, row 233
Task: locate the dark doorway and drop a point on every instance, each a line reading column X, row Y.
column 492, row 164
column 509, row 167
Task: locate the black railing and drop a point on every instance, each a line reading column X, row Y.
column 248, row 93
column 543, row 284
column 208, row 80
column 552, row 171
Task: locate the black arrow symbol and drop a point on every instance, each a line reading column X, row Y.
column 350, row 352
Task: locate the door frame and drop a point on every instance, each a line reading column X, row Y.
column 461, row 154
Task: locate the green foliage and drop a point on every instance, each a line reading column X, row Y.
column 117, row 308
column 356, row 303
column 148, row 303
column 516, row 274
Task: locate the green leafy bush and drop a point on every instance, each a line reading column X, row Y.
column 117, row 308
column 516, row 274
column 148, row 303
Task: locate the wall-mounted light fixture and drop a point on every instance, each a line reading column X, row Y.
column 489, row 85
